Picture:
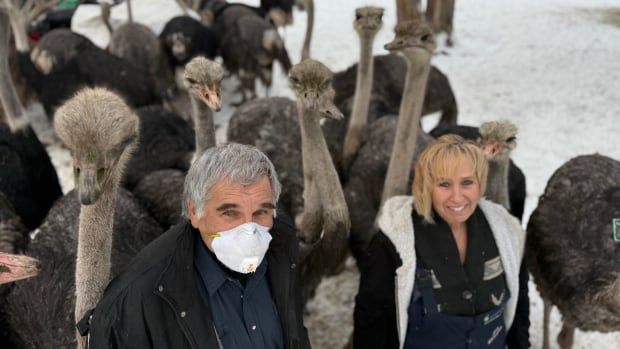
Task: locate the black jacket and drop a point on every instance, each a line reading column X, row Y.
column 155, row 303
column 374, row 316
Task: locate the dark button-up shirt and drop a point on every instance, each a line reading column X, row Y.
column 476, row 286
column 244, row 317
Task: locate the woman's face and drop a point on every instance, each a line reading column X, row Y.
column 455, row 197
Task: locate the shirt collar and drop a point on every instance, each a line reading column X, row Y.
column 212, row 274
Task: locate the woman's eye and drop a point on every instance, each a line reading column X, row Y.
column 468, row 182
column 444, row 184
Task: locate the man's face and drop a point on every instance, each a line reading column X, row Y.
column 232, row 204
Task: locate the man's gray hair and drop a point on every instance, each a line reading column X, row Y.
column 237, row 163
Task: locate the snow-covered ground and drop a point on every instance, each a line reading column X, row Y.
column 552, row 67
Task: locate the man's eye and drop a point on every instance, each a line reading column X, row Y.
column 229, row 213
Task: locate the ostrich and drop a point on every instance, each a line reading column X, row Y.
column 160, row 191
column 92, row 67
column 570, row 246
column 312, row 194
column 280, row 12
column 136, row 43
column 249, row 45
column 383, row 165
column 305, row 49
column 93, row 230
column 516, row 178
column 27, row 176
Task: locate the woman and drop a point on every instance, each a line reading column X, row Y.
column 454, row 283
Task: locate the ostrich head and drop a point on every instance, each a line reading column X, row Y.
column 368, row 20
column 17, row 267
column 498, row 139
column 414, row 39
column 311, row 81
column 101, row 131
column 178, row 43
column 202, row 78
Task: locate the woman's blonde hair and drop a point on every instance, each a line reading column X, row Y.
column 442, row 159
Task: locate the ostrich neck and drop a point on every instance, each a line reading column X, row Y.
column 318, row 167
column 92, row 269
column 305, row 53
column 19, row 25
column 9, row 98
column 497, row 183
column 203, row 127
column 359, row 113
column 129, row 12
column 397, row 177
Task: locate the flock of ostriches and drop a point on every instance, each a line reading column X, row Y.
column 117, row 111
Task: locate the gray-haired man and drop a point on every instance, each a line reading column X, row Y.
column 222, row 279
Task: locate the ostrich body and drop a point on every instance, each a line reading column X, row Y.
column 183, row 38
column 571, row 252
column 516, row 179
column 101, row 132
column 136, row 43
column 368, row 21
column 388, row 85
column 161, row 191
column 249, row 44
column 27, row 176
column 56, row 48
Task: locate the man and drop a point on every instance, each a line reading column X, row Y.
column 218, row 280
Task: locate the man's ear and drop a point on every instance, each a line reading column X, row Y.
column 191, row 211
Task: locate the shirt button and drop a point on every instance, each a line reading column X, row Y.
column 183, row 314
column 160, row 288
column 467, row 294
column 293, row 266
column 241, row 296
column 253, row 327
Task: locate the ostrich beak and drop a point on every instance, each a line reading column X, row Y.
column 492, row 148
column 17, row 267
column 211, row 97
column 332, row 112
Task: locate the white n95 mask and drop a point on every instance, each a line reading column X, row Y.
column 243, row 247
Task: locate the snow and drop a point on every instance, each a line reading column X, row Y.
column 551, row 67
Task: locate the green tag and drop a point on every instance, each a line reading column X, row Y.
column 616, row 225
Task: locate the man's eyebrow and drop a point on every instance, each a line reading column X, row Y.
column 268, row 205
column 225, row 207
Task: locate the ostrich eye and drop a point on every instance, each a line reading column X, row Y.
column 426, row 37
column 76, row 171
column 511, row 139
column 358, row 17
column 293, row 80
column 381, row 16
column 190, row 80
column 100, row 173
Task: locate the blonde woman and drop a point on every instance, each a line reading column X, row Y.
column 443, row 272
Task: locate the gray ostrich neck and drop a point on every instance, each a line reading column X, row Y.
column 19, row 25
column 497, row 182
column 399, row 169
column 361, row 101
column 13, row 110
column 319, row 170
column 92, row 269
column 305, row 53
column 203, row 127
